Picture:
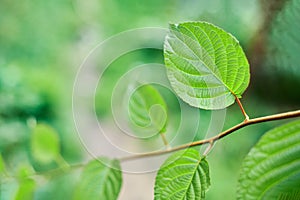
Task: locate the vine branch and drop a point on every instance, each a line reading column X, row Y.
column 213, row 139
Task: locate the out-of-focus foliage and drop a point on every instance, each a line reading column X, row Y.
column 36, row 33
column 100, row 179
column 45, row 144
column 2, row 166
column 26, row 189
column 279, row 67
column 283, row 40
column 36, row 40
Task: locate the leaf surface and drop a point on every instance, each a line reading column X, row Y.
column 272, row 167
column 184, row 175
column 206, row 65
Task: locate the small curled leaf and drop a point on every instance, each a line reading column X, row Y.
column 147, row 111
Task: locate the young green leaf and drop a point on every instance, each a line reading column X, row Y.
column 2, row 165
column 206, row 66
column 26, row 189
column 184, row 175
column 148, row 111
column 100, row 180
column 272, row 168
column 44, row 144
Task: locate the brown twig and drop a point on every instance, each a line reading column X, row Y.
column 209, row 141
column 280, row 116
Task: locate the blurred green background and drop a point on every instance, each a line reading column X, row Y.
column 42, row 44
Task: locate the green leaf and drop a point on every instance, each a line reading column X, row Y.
column 147, row 111
column 272, row 167
column 293, row 195
column 184, row 175
column 2, row 166
column 26, row 189
column 45, row 144
column 100, row 180
column 206, row 66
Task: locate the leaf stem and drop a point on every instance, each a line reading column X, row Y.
column 242, row 108
column 59, row 170
column 166, row 143
column 213, row 139
column 50, row 173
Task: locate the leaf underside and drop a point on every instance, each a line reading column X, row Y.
column 272, row 168
column 206, row 66
column 184, row 175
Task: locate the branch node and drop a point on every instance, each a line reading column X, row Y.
column 246, row 118
column 168, row 147
column 209, row 148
